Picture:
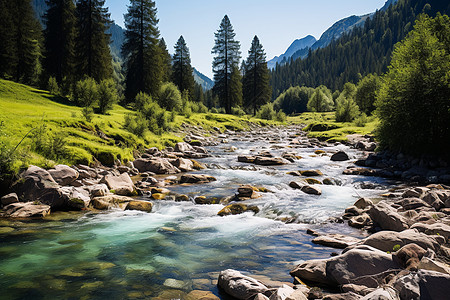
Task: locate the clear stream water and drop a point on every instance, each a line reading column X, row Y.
column 183, row 246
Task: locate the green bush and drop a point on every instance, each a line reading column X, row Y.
column 346, row 109
column 170, row 97
column 107, row 95
column 266, row 112
column 361, row 120
column 321, row 100
column 280, row 116
column 366, row 93
column 49, row 144
column 86, row 92
column 237, row 111
column 53, row 86
column 136, row 124
column 294, row 100
column 87, row 113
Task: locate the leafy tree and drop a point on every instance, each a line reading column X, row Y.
column 20, row 42
column 256, row 88
column 92, row 43
column 59, row 34
column 294, row 100
column 107, row 95
column 321, row 100
column 413, row 103
column 346, row 109
column 366, row 93
column 182, row 74
column 170, row 97
column 142, row 54
column 166, row 61
column 86, row 92
column 349, row 91
column 227, row 57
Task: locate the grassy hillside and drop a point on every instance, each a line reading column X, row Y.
column 60, row 134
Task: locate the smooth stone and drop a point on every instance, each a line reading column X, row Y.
column 26, row 210
column 9, row 199
column 237, row 208
column 64, row 175
column 196, row 178
column 335, row 241
column 340, row 156
column 423, row 284
column 121, row 185
column 240, row 286
column 387, row 218
column 145, row 206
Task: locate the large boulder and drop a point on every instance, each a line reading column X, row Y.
column 247, row 159
column 75, row 198
column 386, row 240
column 383, row 293
column 9, row 199
column 409, row 255
column 434, row 229
column 340, row 156
column 155, row 165
column 356, row 266
column 184, row 147
column 26, row 210
column 306, row 188
column 423, row 284
column 313, row 271
column 121, row 185
column 270, row 161
column 185, row 165
column 64, row 175
column 240, row 286
column 387, row 218
column 109, row 201
column 236, row 209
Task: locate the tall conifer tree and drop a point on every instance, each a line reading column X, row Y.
column 141, row 51
column 92, row 42
column 8, row 47
column 256, row 88
column 182, row 74
column 227, row 54
column 59, row 34
column 166, row 61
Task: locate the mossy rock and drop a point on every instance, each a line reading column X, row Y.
column 312, row 181
column 236, row 209
column 139, row 205
column 159, row 196
column 321, row 126
column 106, row 158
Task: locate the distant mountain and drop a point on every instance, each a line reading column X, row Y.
column 299, row 44
column 117, row 39
column 203, row 80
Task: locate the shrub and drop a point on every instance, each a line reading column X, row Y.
column 280, row 116
column 321, row 100
column 266, row 112
column 294, row 100
column 366, row 93
column 361, row 120
column 53, row 86
column 86, row 92
column 346, row 109
column 237, row 111
column 107, row 95
column 136, row 124
column 87, row 113
column 170, row 97
column 48, row 144
column 413, row 103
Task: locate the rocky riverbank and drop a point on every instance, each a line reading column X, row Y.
column 405, row 258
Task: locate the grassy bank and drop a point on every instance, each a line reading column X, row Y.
column 54, row 131
column 324, row 126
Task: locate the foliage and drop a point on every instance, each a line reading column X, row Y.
column 256, row 89
column 237, row 111
column 364, row 50
column 166, row 61
column 266, row 112
column 136, row 124
column 182, row 74
column 361, row 120
column 321, row 100
column 93, row 56
column 143, row 59
column 294, row 100
column 53, row 87
column 227, row 57
column 50, row 144
column 235, row 86
column 87, row 113
column 86, row 92
column 170, row 97
column 107, row 95
column 59, row 33
column 346, row 109
column 413, row 104
column 366, row 93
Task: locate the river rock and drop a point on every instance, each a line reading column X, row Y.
column 270, row 161
column 64, row 175
column 335, row 241
column 360, row 221
column 9, row 199
column 183, row 147
column 311, row 173
column 312, row 270
column 282, row 293
column 240, row 286
column 121, row 185
column 416, row 192
column 201, row 295
column 412, row 203
column 157, row 165
column 97, row 190
column 145, row 206
column 247, row 192
column 358, row 264
column 423, row 284
column 76, row 198
column 196, row 178
column 386, row 240
column 387, row 218
column 366, row 146
column 340, row 156
column 409, row 254
column 109, row 201
column 26, row 210
column 343, row 296
column 305, row 188
column 432, row 199
column 383, row 293
column 246, row 159
column 185, row 165
column 433, row 229
column 360, row 171
column 236, row 209
column 363, row 203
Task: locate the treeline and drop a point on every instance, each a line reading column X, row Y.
column 364, row 50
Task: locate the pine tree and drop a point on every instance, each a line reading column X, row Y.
column 59, row 34
column 256, row 88
column 227, row 57
column 235, row 87
column 166, row 61
column 182, row 74
column 140, row 50
column 8, row 58
column 92, row 43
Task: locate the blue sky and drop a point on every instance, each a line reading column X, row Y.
column 277, row 23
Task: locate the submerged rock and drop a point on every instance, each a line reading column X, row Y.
column 239, row 286
column 340, row 156
column 145, row 206
column 305, row 188
column 196, row 178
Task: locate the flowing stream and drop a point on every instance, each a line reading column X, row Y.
column 182, row 246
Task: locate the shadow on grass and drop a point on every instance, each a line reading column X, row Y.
column 55, row 98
